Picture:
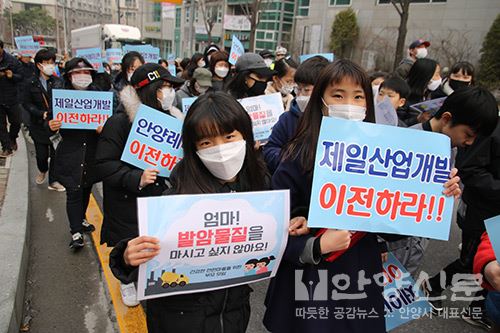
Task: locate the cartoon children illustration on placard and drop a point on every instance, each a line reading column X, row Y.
column 250, row 267
column 263, row 263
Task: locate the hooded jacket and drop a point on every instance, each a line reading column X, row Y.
column 183, row 92
column 121, row 180
column 8, row 87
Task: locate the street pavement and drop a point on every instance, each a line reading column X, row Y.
column 66, row 292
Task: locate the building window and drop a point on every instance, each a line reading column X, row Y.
column 384, row 2
column 30, row 6
column 156, row 12
column 340, row 2
column 303, row 8
column 178, row 17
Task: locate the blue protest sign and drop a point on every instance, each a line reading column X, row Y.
column 237, row 50
column 186, row 103
column 171, row 64
column 23, row 42
column 94, row 56
column 154, row 141
column 264, row 110
column 493, row 229
column 148, row 52
column 78, row 109
column 403, row 299
column 327, row 56
column 212, row 241
column 378, row 178
column 29, row 49
column 114, row 56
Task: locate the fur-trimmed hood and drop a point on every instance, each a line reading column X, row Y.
column 131, row 103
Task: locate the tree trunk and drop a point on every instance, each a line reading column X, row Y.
column 253, row 25
column 402, row 30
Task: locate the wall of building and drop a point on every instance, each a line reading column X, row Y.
column 455, row 29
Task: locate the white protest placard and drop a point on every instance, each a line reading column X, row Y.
column 212, row 241
column 264, row 110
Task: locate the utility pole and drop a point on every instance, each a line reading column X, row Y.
column 191, row 26
column 65, row 29
column 11, row 27
column 222, row 24
column 119, row 13
column 58, row 44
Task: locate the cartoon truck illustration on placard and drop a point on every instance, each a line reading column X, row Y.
column 172, row 279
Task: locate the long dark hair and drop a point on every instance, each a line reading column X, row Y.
column 214, row 114
column 419, row 76
column 147, row 94
column 237, row 86
column 466, row 67
column 302, row 146
column 193, row 64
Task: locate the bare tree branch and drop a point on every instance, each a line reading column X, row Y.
column 398, row 9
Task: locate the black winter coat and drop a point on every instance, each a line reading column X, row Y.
column 121, row 180
column 219, row 311
column 37, row 101
column 8, row 87
column 75, row 154
column 479, row 169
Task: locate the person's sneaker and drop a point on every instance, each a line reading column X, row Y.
column 433, row 297
column 87, row 227
column 129, row 294
column 479, row 320
column 76, row 241
column 40, row 178
column 56, row 186
column 6, row 153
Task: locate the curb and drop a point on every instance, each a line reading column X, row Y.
column 14, row 236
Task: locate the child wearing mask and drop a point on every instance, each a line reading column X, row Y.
column 216, row 125
column 342, row 90
column 124, row 183
column 200, row 83
column 251, row 77
column 305, row 77
column 219, row 66
column 461, row 76
column 283, row 81
column 75, row 155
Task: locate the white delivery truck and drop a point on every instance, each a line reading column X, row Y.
column 104, row 36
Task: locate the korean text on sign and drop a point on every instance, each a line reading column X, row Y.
column 154, row 141
column 81, row 109
column 212, row 241
column 94, row 56
column 380, row 178
column 264, row 111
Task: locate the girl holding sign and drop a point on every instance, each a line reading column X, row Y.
column 124, row 183
column 219, row 157
column 354, row 303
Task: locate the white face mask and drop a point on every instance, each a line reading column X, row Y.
column 421, row 53
column 48, row 69
column 224, row 161
column 286, row 89
column 434, row 84
column 201, row 63
column 346, row 111
column 221, row 71
column 268, row 62
column 168, row 98
column 302, row 102
column 81, row 81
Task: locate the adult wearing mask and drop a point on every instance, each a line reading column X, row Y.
column 75, row 155
column 197, row 86
column 268, row 57
column 251, row 77
column 461, row 76
column 283, row 82
column 38, row 104
column 27, row 72
column 280, row 52
column 220, row 67
column 124, row 183
column 130, row 62
column 423, row 79
column 10, row 77
column 417, row 50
